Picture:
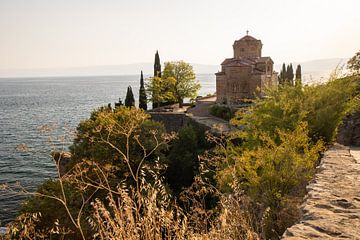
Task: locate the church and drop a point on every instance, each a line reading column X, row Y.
column 246, row 75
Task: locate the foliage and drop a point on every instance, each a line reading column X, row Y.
column 183, row 76
column 176, row 83
column 282, row 109
column 152, row 215
column 290, row 74
column 327, row 104
column 182, row 160
column 160, row 91
column 221, row 112
column 272, row 173
column 115, row 141
column 322, row 106
column 121, row 127
column 129, row 99
column 354, row 63
column 111, row 148
column 115, row 187
column 24, row 227
column 298, row 76
column 142, row 94
column 273, row 157
column 282, row 75
column 286, row 75
column 53, row 213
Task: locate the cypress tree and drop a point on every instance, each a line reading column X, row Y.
column 157, row 73
column 129, row 100
column 291, row 75
column 157, row 65
column 282, row 76
column 298, row 75
column 142, row 93
column 287, row 74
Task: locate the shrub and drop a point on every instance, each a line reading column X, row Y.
column 221, row 112
column 322, row 106
column 182, row 159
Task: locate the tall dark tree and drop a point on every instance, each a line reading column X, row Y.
column 298, row 75
column 142, row 94
column 157, row 65
column 129, row 100
column 290, row 74
column 282, row 76
column 157, row 75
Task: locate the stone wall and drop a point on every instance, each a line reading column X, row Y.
column 173, row 122
column 332, row 206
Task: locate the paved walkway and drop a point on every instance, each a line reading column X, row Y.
column 200, row 113
column 332, row 207
column 355, row 152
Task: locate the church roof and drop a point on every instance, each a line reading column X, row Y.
column 264, row 59
column 247, row 38
column 238, row 62
column 245, row 61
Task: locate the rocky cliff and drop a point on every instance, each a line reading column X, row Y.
column 349, row 130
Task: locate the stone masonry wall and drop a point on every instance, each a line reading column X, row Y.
column 173, row 122
column 332, row 206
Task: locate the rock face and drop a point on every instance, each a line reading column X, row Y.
column 349, row 130
column 332, row 206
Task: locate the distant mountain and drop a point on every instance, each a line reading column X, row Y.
column 313, row 71
column 124, row 69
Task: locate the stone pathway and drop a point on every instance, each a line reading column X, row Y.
column 332, row 207
column 200, row 113
column 355, row 152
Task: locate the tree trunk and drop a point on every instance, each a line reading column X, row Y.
column 181, row 103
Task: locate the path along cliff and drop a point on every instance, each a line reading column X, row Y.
column 331, row 209
column 332, row 206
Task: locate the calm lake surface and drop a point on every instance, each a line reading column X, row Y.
column 61, row 103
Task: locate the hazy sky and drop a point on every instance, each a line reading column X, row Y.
column 72, row 33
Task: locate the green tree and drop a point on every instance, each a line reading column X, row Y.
column 110, row 147
column 129, row 99
column 161, row 91
column 354, row 63
column 104, row 126
column 142, row 94
column 182, row 74
column 298, row 81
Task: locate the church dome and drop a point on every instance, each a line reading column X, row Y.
column 247, row 47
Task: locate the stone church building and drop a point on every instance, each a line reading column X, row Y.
column 245, row 75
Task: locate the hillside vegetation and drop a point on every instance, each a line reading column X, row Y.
column 128, row 179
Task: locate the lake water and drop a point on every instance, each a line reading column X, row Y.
column 58, row 102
